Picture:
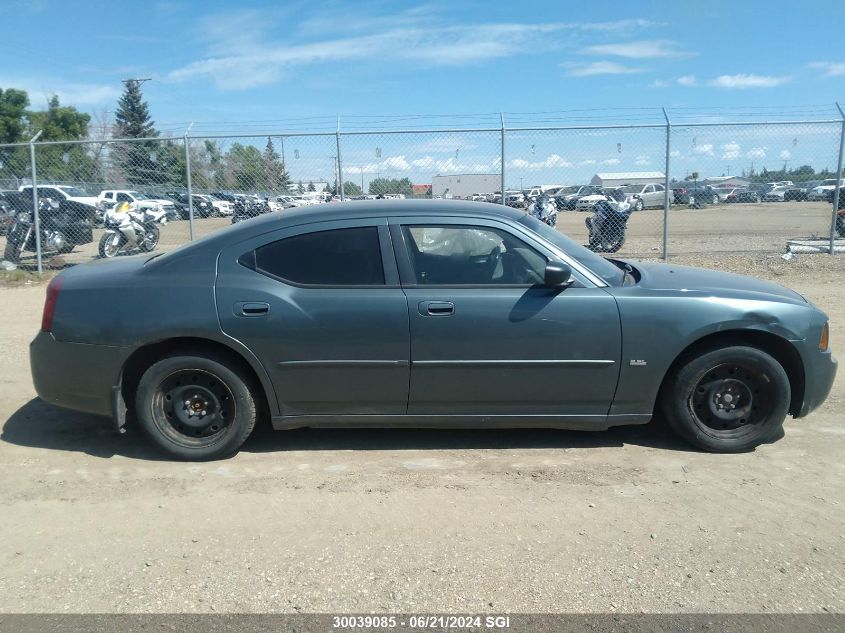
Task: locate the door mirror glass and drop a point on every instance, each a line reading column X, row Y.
column 557, row 274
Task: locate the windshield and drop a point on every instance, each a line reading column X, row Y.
column 596, row 263
column 76, row 192
column 138, row 195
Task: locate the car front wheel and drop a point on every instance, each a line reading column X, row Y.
column 195, row 407
column 727, row 400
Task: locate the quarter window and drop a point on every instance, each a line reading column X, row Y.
column 468, row 255
column 340, row 257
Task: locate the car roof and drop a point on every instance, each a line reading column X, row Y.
column 351, row 210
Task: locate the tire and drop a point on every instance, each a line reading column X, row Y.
column 640, row 205
column 196, row 407
column 150, row 243
column 697, row 400
column 840, row 226
column 13, row 251
column 107, row 249
column 716, row 199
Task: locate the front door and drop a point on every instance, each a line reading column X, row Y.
column 487, row 338
column 321, row 307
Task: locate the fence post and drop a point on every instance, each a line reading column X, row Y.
column 339, row 162
column 502, row 117
column 35, row 214
column 836, row 190
column 188, row 182
column 666, row 202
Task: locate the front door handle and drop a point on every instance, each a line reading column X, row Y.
column 251, row 308
column 436, row 308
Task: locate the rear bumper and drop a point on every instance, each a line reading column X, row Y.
column 75, row 375
column 819, row 374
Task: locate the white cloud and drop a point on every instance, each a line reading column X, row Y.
column 245, row 50
column 589, row 161
column 675, row 154
column 659, row 83
column 785, row 154
column 644, row 49
column 610, row 161
column 831, row 69
column 703, row 150
column 687, row 80
column 642, row 159
column 730, row 151
column 553, row 160
column 748, row 81
column 757, row 152
column 75, row 94
column 600, row 68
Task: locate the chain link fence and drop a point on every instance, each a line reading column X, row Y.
column 692, row 187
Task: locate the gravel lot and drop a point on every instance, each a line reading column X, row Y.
column 404, row 520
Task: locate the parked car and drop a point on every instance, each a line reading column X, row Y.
column 110, row 197
column 586, row 203
column 821, row 191
column 741, row 195
column 61, row 193
column 202, row 206
column 643, row 196
column 566, row 197
column 221, row 205
column 303, row 319
column 7, row 212
column 785, row 193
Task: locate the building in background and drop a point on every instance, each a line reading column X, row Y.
column 628, row 178
column 726, row 181
column 464, row 185
column 421, row 191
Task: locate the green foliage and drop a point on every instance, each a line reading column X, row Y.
column 13, row 104
column 245, row 163
column 391, row 185
column 311, row 187
column 350, row 189
column 132, row 119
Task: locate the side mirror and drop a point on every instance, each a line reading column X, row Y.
column 557, row 274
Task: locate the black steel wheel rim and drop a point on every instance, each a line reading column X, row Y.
column 194, row 407
column 729, row 399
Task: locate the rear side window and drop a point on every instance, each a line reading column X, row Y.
column 340, row 257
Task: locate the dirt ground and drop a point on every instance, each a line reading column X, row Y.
column 628, row 520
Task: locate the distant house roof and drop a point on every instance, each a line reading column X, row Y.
column 420, row 188
column 724, row 178
column 625, row 175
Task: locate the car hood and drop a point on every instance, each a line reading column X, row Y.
column 702, row 281
column 89, row 200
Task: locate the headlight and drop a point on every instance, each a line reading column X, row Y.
column 824, row 339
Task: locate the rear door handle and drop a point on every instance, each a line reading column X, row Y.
column 436, row 308
column 251, row 308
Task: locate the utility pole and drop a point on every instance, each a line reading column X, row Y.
column 136, row 80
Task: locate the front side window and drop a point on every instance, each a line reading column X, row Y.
column 468, row 255
column 122, row 197
column 339, row 257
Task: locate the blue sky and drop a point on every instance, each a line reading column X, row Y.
column 251, row 66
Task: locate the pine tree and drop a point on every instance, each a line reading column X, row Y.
column 132, row 120
column 275, row 176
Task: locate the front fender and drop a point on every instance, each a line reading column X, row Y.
column 657, row 327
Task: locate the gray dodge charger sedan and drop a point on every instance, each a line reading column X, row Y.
column 422, row 313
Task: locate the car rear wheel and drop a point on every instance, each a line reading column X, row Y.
column 640, row 205
column 727, row 400
column 196, row 407
column 840, row 226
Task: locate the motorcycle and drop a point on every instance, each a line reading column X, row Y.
column 129, row 229
column 63, row 226
column 608, row 224
column 246, row 209
column 544, row 210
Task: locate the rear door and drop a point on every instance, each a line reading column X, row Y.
column 321, row 306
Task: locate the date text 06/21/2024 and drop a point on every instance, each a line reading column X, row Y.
column 421, row 622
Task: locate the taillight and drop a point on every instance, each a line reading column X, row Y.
column 50, row 303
